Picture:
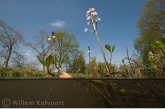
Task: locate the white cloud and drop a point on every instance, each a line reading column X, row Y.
column 26, row 53
column 58, row 23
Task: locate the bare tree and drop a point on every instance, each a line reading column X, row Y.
column 40, row 44
column 19, row 60
column 9, row 39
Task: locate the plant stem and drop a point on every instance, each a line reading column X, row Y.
column 129, row 61
column 103, row 54
column 89, row 57
column 54, row 50
column 110, row 58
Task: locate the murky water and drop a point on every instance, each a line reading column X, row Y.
column 41, row 92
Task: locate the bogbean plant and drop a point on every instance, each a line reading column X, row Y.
column 50, row 59
column 90, row 14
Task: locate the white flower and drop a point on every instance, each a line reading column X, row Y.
column 86, row 29
column 87, row 15
column 54, row 37
column 91, row 9
column 98, row 18
column 89, row 18
column 89, row 23
column 49, row 38
column 150, row 53
column 88, row 51
column 94, row 13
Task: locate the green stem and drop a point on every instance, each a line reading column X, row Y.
column 103, row 54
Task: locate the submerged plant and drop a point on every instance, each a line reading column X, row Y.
column 90, row 14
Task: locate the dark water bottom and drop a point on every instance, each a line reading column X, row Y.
column 82, row 93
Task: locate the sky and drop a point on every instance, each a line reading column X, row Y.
column 117, row 26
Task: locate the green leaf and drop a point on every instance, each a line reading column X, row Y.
column 93, row 59
column 155, row 44
column 108, row 47
column 41, row 60
column 162, row 41
column 48, row 54
column 113, row 48
column 49, row 60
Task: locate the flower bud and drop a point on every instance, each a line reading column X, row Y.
column 86, row 29
column 89, row 23
column 52, row 33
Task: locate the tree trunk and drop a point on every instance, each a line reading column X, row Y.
column 8, row 57
column 6, row 63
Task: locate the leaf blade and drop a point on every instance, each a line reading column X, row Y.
column 108, row 48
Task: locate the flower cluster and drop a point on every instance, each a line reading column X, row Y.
column 150, row 53
column 90, row 14
column 52, row 37
column 88, row 51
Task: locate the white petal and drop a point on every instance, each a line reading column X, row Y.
column 89, row 11
column 92, row 9
column 86, row 29
column 98, row 18
column 54, row 37
column 89, row 18
column 150, row 53
column 94, row 13
column 88, row 52
column 49, row 38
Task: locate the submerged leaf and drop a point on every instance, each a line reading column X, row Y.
column 99, row 81
column 122, row 90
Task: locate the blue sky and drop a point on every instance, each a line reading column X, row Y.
column 117, row 25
